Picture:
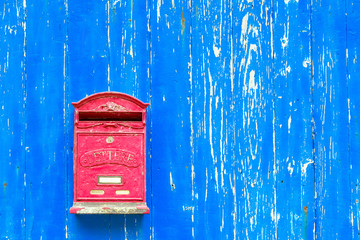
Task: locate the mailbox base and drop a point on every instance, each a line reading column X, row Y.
column 109, row 208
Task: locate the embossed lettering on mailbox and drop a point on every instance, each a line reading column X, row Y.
column 110, row 155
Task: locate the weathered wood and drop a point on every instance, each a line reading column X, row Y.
column 252, row 128
column 12, row 120
column 45, row 129
column 172, row 154
column 213, row 180
column 88, row 63
column 353, row 75
column 331, row 120
column 254, row 119
column 295, row 193
column 127, row 35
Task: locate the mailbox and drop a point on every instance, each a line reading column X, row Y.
column 110, row 155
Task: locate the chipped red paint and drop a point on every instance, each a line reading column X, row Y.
column 110, row 142
column 75, row 209
column 145, row 208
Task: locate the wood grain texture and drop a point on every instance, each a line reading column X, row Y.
column 252, row 128
column 45, row 138
column 254, row 119
column 331, row 121
column 171, row 120
column 213, row 181
column 353, row 74
column 293, row 120
column 88, row 62
column 128, row 68
column 12, row 120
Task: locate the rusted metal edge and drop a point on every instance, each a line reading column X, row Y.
column 109, row 208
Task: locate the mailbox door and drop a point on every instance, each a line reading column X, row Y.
column 110, row 167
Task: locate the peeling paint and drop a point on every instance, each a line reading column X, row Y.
column 305, row 165
column 182, row 23
column 172, row 185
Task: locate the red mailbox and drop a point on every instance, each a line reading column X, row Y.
column 110, row 155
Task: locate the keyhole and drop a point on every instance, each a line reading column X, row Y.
column 109, row 139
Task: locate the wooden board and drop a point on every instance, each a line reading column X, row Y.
column 253, row 128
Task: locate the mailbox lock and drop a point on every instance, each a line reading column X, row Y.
column 109, row 139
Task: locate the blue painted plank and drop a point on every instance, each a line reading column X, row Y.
column 88, row 62
column 45, row 106
column 254, row 120
column 231, row 115
column 331, row 120
column 215, row 201
column 353, row 35
column 295, row 193
column 12, row 120
column 129, row 50
column 172, row 155
column 128, row 71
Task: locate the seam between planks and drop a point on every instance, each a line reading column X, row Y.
column 25, row 109
column 67, row 116
column 272, row 28
column 313, row 113
column 348, row 123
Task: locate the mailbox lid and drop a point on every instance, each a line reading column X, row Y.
column 110, row 102
column 110, row 167
column 110, row 107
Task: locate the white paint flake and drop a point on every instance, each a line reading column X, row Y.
column 210, row 120
column 216, row 50
column 158, row 5
column 131, row 51
column 206, row 184
column 244, row 25
column 290, row 168
column 349, row 113
column 253, row 48
column 252, row 85
column 274, row 215
column 289, row 124
column 234, row 213
column 306, row 62
column 115, row 2
column 305, row 165
column 285, row 40
column 172, row 185
column 216, row 179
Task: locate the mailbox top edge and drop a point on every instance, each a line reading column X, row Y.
column 110, row 94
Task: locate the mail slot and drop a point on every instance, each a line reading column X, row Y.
column 110, row 155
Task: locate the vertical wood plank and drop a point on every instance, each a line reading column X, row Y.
column 45, row 107
column 88, row 74
column 128, row 71
column 129, row 53
column 215, row 211
column 12, row 120
column 331, row 120
column 232, row 98
column 254, row 120
column 353, row 68
column 293, row 120
column 171, row 120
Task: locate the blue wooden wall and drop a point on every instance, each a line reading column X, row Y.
column 253, row 127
